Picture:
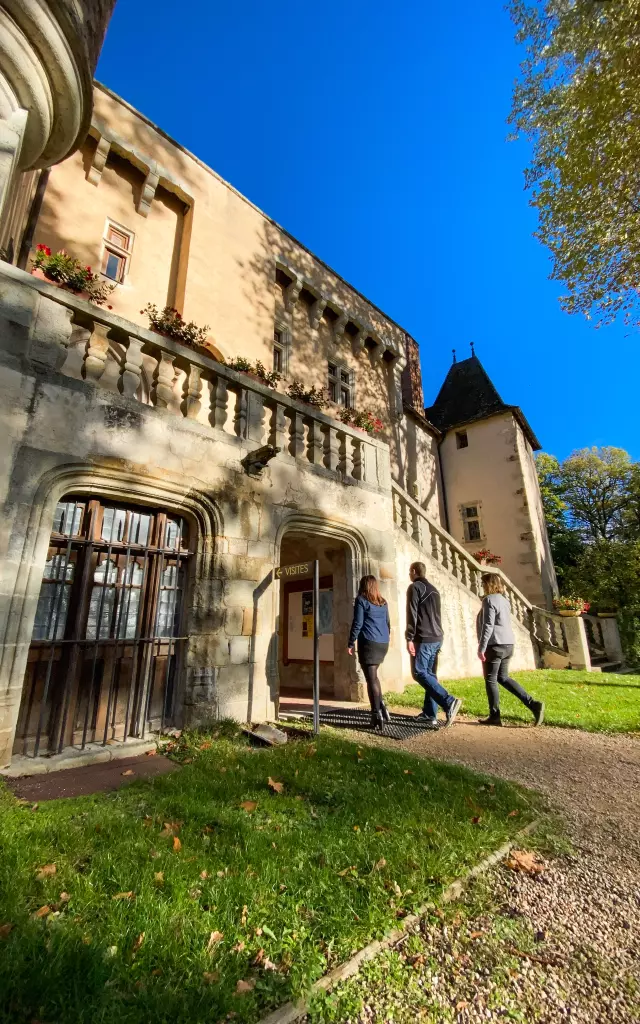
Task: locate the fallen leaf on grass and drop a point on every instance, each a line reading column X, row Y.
column 408, row 771
column 243, row 919
column 239, row 946
column 345, row 871
column 65, row 897
column 276, row 786
column 356, row 828
column 245, row 986
column 159, row 876
column 249, row 806
column 46, row 871
column 476, row 820
column 462, row 1005
column 177, row 845
column 382, row 828
column 195, row 894
column 476, row 935
column 5, row 930
column 42, row 912
column 397, row 889
column 513, row 814
column 124, row 896
column 214, row 938
column 170, row 828
column 206, row 745
column 268, row 965
column 523, row 860
column 380, row 864
column 138, row 942
column 129, row 771
column 204, row 874
column 210, row 977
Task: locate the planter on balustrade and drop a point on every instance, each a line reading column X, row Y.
column 569, row 614
column 607, row 615
column 41, row 276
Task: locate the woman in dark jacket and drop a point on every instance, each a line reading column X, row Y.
column 371, row 628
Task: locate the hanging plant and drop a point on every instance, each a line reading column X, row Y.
column 68, row 272
column 257, row 370
column 169, row 321
column 312, row 396
column 486, row 557
column 361, row 420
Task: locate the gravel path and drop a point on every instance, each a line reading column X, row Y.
column 563, row 945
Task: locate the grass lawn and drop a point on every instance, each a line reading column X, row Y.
column 170, row 892
column 594, row 701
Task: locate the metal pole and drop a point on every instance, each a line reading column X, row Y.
column 316, row 647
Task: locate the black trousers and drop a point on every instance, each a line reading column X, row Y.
column 370, row 656
column 496, row 672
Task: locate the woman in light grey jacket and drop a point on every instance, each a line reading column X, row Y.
column 495, row 648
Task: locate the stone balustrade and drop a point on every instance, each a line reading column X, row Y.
column 547, row 628
column 103, row 349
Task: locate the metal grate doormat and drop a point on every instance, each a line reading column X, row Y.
column 401, row 727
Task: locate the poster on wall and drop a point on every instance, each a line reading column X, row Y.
column 300, row 625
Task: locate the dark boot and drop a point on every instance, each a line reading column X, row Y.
column 537, row 709
column 384, row 712
column 377, row 721
column 491, row 720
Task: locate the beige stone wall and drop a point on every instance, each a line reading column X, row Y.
column 544, row 574
column 490, row 473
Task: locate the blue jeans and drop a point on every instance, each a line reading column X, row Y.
column 422, row 671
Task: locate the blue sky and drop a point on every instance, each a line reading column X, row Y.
column 376, row 135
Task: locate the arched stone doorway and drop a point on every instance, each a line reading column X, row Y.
column 340, row 557
column 106, row 643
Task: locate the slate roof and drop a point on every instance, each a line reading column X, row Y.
column 468, row 395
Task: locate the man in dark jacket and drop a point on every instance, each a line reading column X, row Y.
column 424, row 640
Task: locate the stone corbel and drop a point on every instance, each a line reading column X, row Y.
column 339, row 325
column 378, row 352
column 315, row 314
column 358, row 343
column 147, row 194
column 94, row 174
column 291, row 295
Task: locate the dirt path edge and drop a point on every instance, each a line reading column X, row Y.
column 289, row 1013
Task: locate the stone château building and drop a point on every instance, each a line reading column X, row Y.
column 140, row 534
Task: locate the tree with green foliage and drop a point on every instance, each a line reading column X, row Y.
column 578, row 102
column 595, row 484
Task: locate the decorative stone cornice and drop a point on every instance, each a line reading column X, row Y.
column 48, row 54
column 340, row 324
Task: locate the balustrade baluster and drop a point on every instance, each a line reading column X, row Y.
column 132, row 367
column 346, row 455
column 332, row 449
column 219, row 404
column 97, row 352
column 357, row 446
column 193, row 391
column 241, row 412
column 464, row 570
column 278, row 431
column 434, row 542
column 296, row 442
column 454, row 562
column 416, row 526
column 316, row 443
column 163, row 381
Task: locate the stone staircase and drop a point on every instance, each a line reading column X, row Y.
column 560, row 642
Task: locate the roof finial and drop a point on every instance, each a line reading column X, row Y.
column 454, row 355
column 473, row 351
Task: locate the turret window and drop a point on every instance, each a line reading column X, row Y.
column 462, row 441
column 471, row 521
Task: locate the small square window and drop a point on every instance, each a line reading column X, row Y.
column 462, row 441
column 116, row 252
column 281, row 344
column 473, row 529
